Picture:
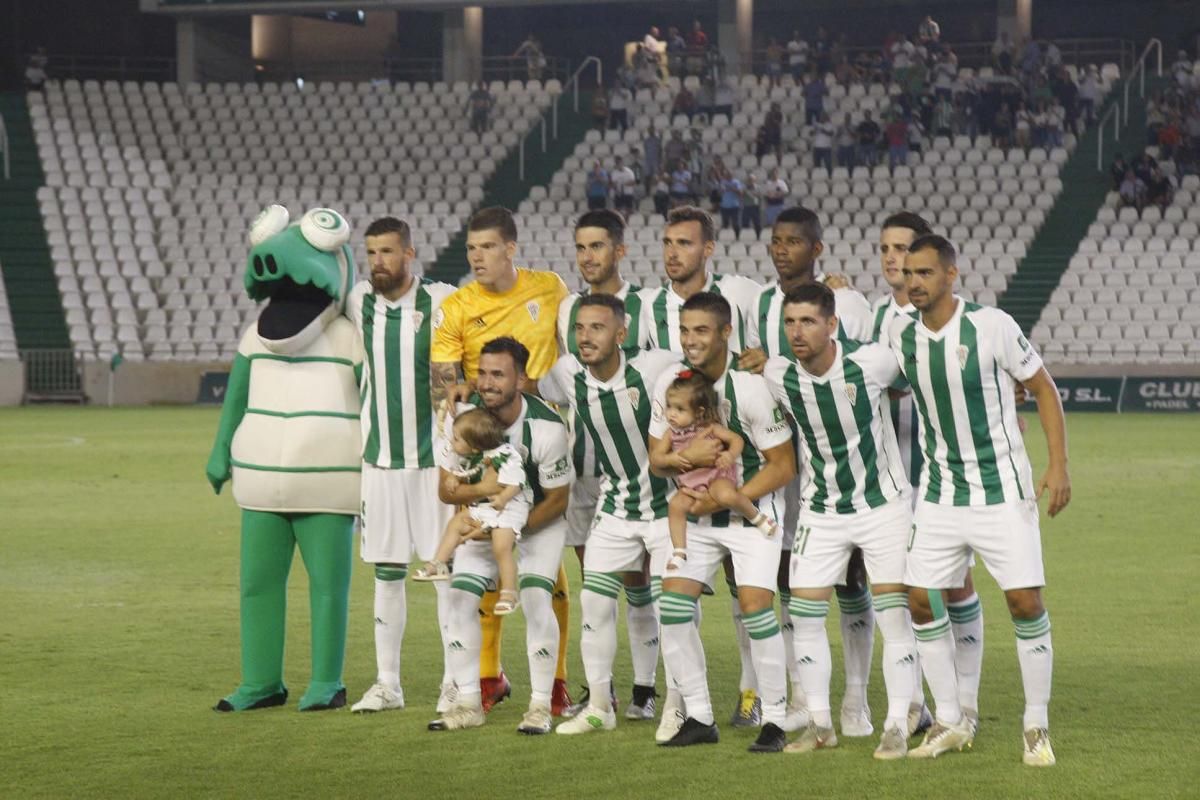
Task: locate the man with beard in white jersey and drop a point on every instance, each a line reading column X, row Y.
column 599, row 249
column 796, row 246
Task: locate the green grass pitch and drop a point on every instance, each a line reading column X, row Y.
column 118, row 585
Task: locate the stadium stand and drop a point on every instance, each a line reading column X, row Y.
column 1132, row 290
column 146, row 182
column 989, row 200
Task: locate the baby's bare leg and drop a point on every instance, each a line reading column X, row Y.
column 503, row 542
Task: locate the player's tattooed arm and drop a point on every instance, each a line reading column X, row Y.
column 447, row 387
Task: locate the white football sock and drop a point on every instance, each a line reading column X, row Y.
column 789, row 653
column 391, row 614
column 766, row 647
column 810, row 641
column 541, row 642
column 858, row 646
column 641, row 623
column 936, row 647
column 1036, row 654
column 442, row 588
column 598, row 643
column 747, row 679
column 899, row 655
column 465, row 635
column 966, row 623
column 684, row 652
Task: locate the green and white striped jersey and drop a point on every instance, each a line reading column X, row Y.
column 637, row 335
column 662, row 309
column 615, row 414
column 905, row 418
column 766, row 328
column 847, row 443
column 538, row 434
column 963, row 377
column 397, row 410
column 748, row 409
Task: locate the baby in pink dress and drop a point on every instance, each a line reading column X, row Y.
column 691, row 411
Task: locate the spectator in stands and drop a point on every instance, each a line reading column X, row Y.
column 705, row 98
column 1158, row 188
column 35, row 70
column 697, row 39
column 846, row 140
column 1067, row 94
column 1003, row 53
column 681, row 184
column 1170, row 136
column 868, row 140
column 623, row 182
column 823, row 133
column 775, row 194
column 797, row 54
column 1023, row 127
column 1143, row 166
column 685, row 103
column 814, row 98
column 1051, row 56
column 896, row 134
column 1156, row 117
column 945, row 72
column 676, row 51
column 480, row 102
column 676, row 149
column 627, row 77
column 770, row 133
column 1031, row 60
column 821, row 50
column 1089, row 93
column 1132, row 190
column 651, row 155
column 751, row 205
column 646, row 69
column 699, row 164
column 966, row 122
column 597, row 187
column 662, row 194
column 929, row 31
column 1181, row 71
column 1056, row 119
column 1117, row 171
column 731, row 201
column 714, row 64
column 599, row 109
column 774, row 61
column 943, row 117
column 1002, row 125
column 653, row 44
column 916, row 135
column 618, row 107
column 535, row 59
column 715, row 175
column 903, row 60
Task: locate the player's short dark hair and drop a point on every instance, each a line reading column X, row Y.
column 386, row 225
column 507, row 344
column 612, row 223
column 947, row 255
column 711, row 302
column 816, row 293
column 807, row 219
column 907, row 219
column 494, row 218
column 682, row 214
column 610, row 301
column 481, row 429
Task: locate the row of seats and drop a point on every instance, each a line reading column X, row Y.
column 152, row 185
column 1131, row 292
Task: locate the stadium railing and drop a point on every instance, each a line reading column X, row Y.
column 573, row 84
column 52, row 376
column 1139, row 71
column 1114, row 112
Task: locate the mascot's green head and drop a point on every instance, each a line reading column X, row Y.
column 299, row 268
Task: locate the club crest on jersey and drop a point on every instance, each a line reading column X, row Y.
column 962, row 352
column 418, row 317
column 851, row 393
column 635, row 395
column 533, row 308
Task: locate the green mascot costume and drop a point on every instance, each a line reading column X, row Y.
column 289, row 438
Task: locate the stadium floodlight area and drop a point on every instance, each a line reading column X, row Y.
column 151, row 187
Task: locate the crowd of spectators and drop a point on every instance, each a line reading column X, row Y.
column 1173, row 117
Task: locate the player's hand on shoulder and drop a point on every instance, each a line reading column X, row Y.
column 753, row 360
column 837, row 281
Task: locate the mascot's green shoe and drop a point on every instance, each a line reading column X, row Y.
column 245, row 700
column 320, row 697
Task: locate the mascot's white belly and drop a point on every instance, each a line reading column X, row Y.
column 298, row 447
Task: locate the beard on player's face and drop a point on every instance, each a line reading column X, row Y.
column 385, row 280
